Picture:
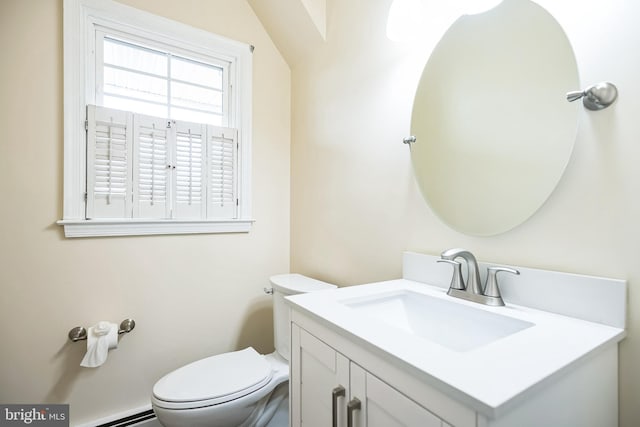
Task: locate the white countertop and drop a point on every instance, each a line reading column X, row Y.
column 486, row 377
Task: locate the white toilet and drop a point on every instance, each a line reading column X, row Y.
column 240, row 388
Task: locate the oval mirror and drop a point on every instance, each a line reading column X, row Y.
column 494, row 131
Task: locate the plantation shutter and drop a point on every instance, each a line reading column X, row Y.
column 189, row 171
column 151, row 167
column 109, row 149
column 223, row 175
column 147, row 167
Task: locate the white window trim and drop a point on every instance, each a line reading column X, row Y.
column 80, row 16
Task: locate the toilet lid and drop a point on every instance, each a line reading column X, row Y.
column 216, row 379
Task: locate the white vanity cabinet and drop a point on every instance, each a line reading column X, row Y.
column 315, row 371
column 324, row 382
column 397, row 347
column 383, row 406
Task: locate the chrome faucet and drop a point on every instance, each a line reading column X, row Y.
column 473, row 291
column 473, row 278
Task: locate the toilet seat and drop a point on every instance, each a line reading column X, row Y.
column 213, row 380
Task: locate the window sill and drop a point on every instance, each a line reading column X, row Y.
column 115, row 227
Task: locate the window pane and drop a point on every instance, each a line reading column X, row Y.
column 196, row 116
column 136, row 78
column 131, row 84
column 196, row 72
column 196, row 97
column 135, row 106
column 134, row 57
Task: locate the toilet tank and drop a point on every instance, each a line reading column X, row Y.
column 285, row 285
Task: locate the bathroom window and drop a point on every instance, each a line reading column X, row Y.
column 157, row 125
column 137, row 77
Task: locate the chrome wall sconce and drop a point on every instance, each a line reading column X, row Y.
column 596, row 97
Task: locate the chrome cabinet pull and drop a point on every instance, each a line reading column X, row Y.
column 335, row 394
column 352, row 406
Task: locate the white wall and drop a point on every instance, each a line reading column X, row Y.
column 356, row 205
column 191, row 296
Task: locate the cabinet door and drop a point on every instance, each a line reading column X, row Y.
column 316, row 371
column 383, row 406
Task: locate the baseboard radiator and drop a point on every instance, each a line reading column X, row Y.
column 140, row 419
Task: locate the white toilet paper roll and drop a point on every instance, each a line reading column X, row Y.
column 101, row 338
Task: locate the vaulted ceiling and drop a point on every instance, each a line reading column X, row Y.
column 295, row 26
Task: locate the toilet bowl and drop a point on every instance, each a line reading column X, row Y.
column 236, row 389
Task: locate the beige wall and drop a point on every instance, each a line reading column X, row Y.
column 191, row 296
column 355, row 203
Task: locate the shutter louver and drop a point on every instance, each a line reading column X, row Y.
column 108, row 163
column 147, row 167
column 151, row 175
column 189, row 171
column 222, row 194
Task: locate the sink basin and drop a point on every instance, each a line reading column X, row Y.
column 448, row 323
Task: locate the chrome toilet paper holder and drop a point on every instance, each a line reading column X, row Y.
column 79, row 333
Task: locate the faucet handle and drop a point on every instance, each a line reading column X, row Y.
column 456, row 281
column 491, row 289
